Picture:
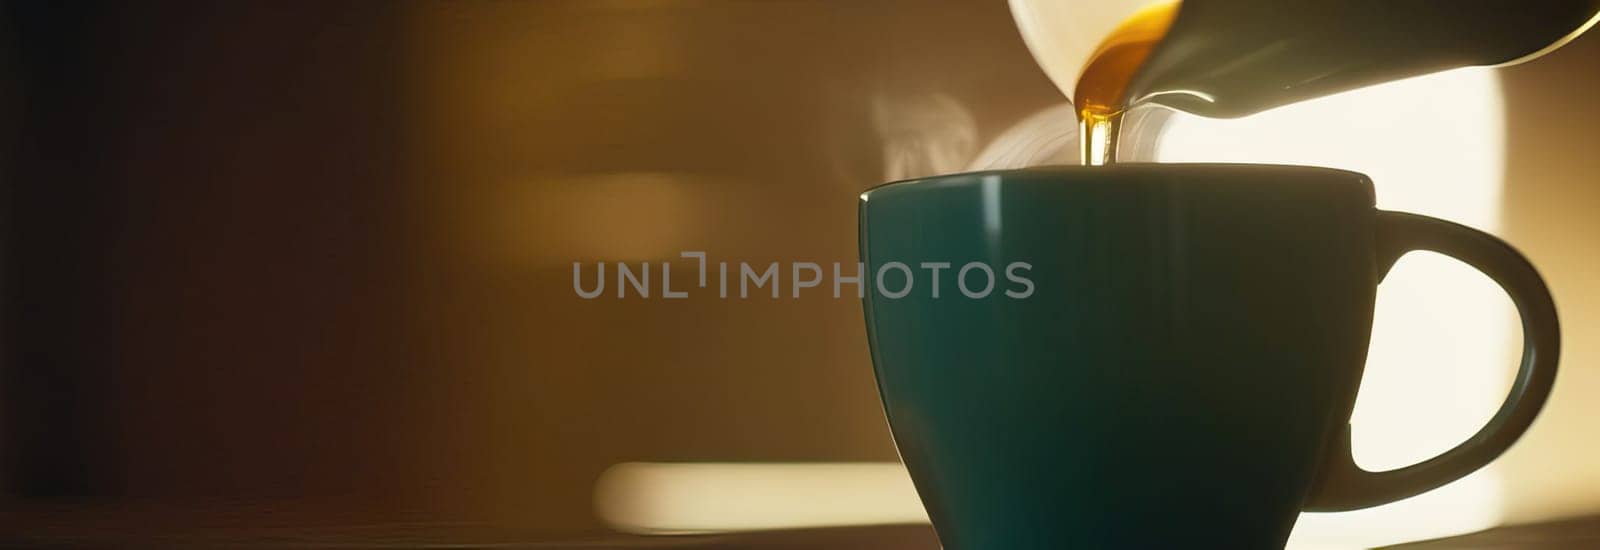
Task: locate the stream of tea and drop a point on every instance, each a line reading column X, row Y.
column 1101, row 95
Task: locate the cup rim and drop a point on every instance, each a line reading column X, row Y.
column 1146, row 167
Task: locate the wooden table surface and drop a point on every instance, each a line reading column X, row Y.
column 1566, row 535
column 300, row 524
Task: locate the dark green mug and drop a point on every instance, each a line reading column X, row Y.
column 1166, row 355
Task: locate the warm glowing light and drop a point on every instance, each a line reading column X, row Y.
column 663, row 498
column 1441, row 356
column 692, row 498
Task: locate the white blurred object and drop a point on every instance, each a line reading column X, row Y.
column 1061, row 35
column 680, row 498
column 1234, row 58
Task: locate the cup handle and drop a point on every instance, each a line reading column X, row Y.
column 1341, row 484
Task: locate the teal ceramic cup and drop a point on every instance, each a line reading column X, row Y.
column 1168, row 355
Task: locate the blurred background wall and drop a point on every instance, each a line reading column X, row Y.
column 1552, row 196
column 319, row 255
column 546, row 133
column 204, row 227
